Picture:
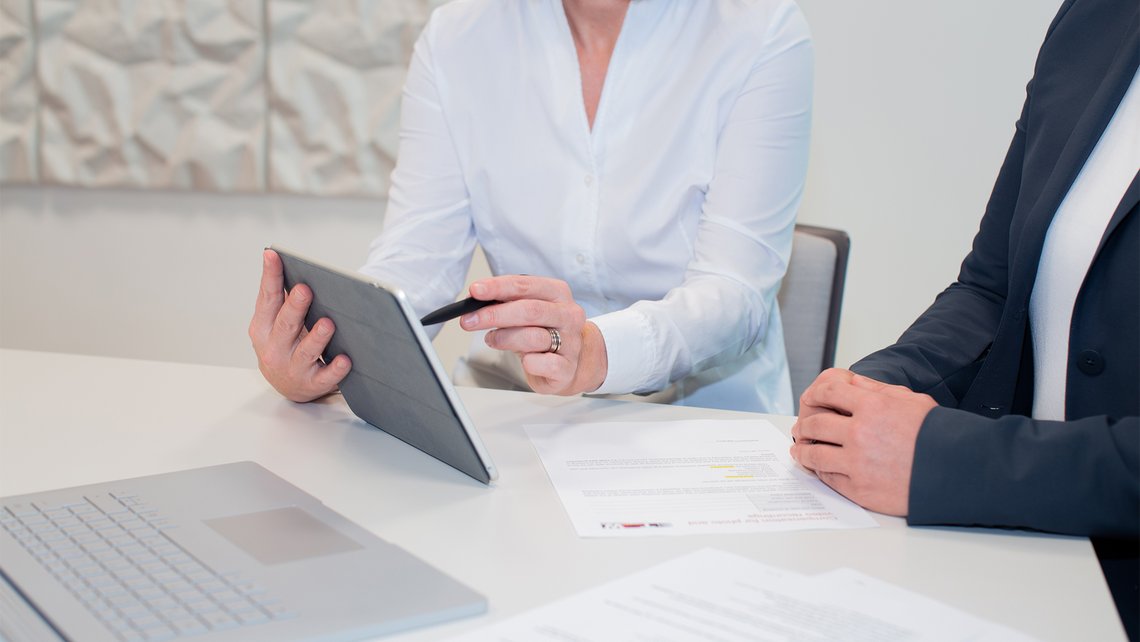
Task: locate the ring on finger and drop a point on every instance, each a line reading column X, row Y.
column 555, row 341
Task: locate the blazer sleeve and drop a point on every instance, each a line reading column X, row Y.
column 1078, row 477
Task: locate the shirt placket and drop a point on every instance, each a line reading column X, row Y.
column 585, row 250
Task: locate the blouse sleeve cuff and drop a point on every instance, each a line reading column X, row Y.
column 630, row 351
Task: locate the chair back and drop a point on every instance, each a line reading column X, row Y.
column 810, row 298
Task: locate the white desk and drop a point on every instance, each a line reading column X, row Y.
column 67, row 420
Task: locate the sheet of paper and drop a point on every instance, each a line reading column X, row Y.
column 713, row 595
column 860, row 592
column 631, row 479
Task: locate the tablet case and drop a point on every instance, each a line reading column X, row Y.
column 396, row 382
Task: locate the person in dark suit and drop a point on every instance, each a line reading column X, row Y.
column 1014, row 400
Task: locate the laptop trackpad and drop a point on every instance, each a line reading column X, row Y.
column 282, row 535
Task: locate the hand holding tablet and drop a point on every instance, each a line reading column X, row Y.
column 289, row 354
column 395, row 383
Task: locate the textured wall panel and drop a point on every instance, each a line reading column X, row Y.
column 157, row 93
column 336, row 71
column 18, row 96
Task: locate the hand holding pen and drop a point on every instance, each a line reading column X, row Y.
column 453, row 310
column 537, row 319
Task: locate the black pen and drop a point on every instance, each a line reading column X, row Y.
column 457, row 309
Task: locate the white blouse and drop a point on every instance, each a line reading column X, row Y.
column 671, row 219
column 1071, row 244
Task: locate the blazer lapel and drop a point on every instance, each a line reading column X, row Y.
column 997, row 387
column 1127, row 204
column 1084, row 137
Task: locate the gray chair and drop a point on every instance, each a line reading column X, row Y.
column 810, row 299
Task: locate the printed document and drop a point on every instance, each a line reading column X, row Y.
column 714, row 595
column 631, row 479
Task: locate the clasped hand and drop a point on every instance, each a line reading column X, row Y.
column 858, row 435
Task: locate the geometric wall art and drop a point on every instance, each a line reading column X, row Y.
column 336, row 71
column 298, row 96
column 18, row 96
column 152, row 94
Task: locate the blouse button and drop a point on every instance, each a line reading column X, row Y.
column 589, row 180
column 581, row 259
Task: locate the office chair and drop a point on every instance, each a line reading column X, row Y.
column 810, row 299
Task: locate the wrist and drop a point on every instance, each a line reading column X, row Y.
column 593, row 361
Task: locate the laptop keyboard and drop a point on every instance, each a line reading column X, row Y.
column 110, row 550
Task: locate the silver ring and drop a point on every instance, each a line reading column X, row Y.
column 555, row 341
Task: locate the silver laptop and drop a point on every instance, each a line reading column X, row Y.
column 396, row 383
column 228, row 552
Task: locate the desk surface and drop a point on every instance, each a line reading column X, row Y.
column 67, row 420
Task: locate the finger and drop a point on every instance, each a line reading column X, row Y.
column 327, row 377
column 527, row 312
column 820, row 457
column 290, row 319
column 547, row 372
column 530, row 339
column 313, row 344
column 867, row 383
column 516, row 287
column 829, row 428
column 843, row 397
column 807, row 410
column 270, row 296
column 831, row 375
column 836, row 374
column 839, row 482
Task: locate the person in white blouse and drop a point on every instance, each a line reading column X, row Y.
column 641, row 161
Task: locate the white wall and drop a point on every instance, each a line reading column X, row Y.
column 155, row 275
column 914, row 109
column 915, row 104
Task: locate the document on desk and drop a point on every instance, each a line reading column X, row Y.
column 714, row 595
column 633, row 479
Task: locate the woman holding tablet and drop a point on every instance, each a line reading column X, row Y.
column 643, row 160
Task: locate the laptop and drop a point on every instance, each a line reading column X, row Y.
column 396, row 383
column 229, row 552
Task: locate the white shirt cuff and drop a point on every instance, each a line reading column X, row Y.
column 630, row 349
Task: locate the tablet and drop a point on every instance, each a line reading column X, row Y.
column 396, row 383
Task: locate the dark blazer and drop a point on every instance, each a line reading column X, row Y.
column 979, row 459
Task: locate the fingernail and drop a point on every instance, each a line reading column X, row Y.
column 478, row 290
column 323, row 329
column 469, row 320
